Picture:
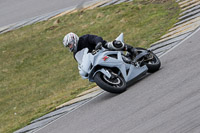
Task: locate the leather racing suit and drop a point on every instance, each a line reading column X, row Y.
column 91, row 41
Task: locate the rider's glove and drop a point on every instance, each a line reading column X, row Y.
column 98, row 46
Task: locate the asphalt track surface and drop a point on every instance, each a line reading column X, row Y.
column 163, row 102
column 12, row 11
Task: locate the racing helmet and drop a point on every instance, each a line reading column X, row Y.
column 70, row 40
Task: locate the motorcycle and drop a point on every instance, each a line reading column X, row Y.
column 113, row 71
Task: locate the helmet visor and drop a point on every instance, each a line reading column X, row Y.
column 71, row 45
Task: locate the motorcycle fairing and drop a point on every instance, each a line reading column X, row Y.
column 128, row 71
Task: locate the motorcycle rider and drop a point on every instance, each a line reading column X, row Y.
column 76, row 44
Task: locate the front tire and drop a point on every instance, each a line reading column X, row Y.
column 114, row 85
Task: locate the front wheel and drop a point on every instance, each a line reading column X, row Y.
column 115, row 84
column 151, row 61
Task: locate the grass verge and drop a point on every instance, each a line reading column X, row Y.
column 37, row 73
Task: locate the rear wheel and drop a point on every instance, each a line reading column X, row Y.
column 115, row 84
column 151, row 61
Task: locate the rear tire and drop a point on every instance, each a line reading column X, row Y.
column 103, row 82
column 153, row 64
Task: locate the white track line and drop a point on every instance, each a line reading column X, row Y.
column 181, row 42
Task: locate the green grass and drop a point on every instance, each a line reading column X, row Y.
column 37, row 73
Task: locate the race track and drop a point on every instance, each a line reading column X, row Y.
column 167, row 101
column 163, row 102
column 12, row 11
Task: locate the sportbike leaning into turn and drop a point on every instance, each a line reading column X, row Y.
column 114, row 70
